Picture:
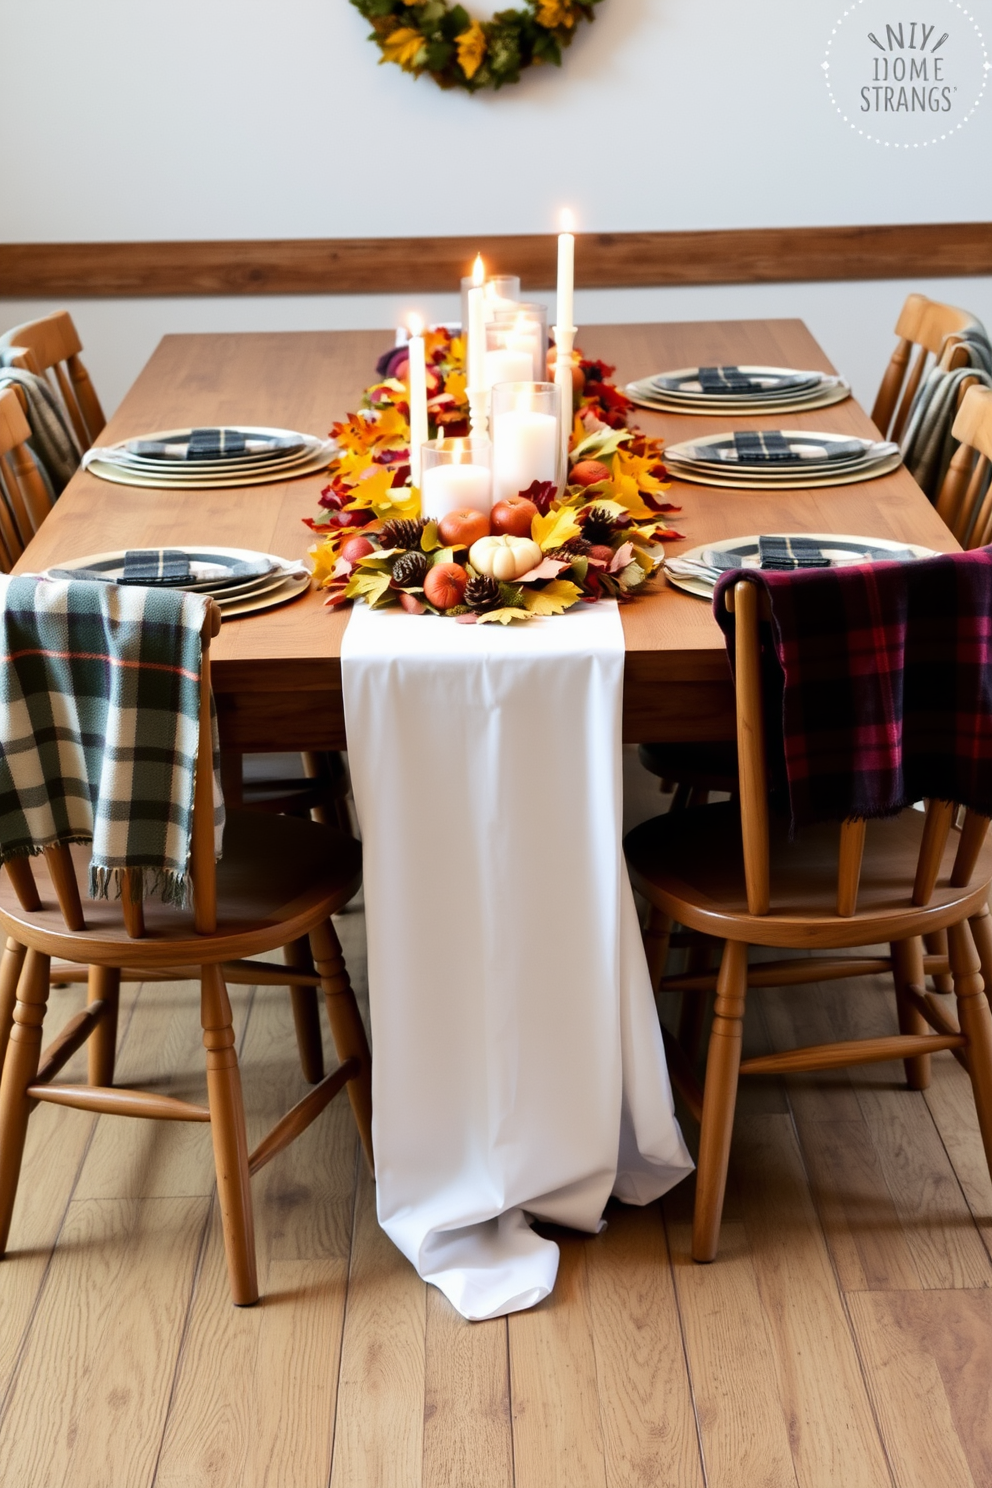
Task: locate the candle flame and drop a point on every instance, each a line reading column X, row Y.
column 478, row 271
column 415, row 324
column 566, row 221
column 458, row 452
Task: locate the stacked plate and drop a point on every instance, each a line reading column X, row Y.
column 240, row 580
column 774, row 459
column 725, row 391
column 697, row 570
column 205, row 458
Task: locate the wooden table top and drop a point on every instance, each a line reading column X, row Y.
column 675, row 671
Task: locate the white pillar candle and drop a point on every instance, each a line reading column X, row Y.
column 565, row 305
column 525, row 449
column 527, row 336
column 506, row 365
column 449, row 488
column 476, row 359
column 418, row 398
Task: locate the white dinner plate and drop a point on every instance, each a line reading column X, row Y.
column 727, row 407
column 835, row 545
column 125, row 476
column 203, row 559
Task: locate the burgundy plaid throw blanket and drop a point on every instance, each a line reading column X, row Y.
column 878, row 684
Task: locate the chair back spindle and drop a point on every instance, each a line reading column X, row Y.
column 51, row 347
column 926, row 325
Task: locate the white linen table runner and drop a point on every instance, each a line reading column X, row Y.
column 518, row 1067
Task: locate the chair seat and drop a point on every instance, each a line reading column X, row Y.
column 279, row 878
column 711, row 765
column 693, row 863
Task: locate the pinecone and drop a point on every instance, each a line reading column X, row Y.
column 576, row 547
column 410, row 570
column 402, row 533
column 482, row 594
column 598, row 527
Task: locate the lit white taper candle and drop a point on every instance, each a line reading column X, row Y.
column 565, row 329
column 418, row 396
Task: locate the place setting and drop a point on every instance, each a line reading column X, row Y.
column 697, row 570
column 729, row 390
column 206, row 458
column 241, row 581
column 790, row 459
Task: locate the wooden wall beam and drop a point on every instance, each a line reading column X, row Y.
column 408, row 265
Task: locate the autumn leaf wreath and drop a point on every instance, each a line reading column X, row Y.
column 457, row 51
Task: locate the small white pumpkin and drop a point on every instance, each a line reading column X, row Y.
column 504, row 558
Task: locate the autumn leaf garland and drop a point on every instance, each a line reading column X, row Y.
column 459, row 51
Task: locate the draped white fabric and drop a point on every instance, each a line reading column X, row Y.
column 518, row 1068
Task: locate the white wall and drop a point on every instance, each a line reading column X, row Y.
column 238, row 118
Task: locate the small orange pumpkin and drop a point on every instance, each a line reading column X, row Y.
column 444, row 586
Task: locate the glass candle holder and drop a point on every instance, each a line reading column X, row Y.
column 455, row 474
column 527, row 436
column 502, row 292
column 512, row 335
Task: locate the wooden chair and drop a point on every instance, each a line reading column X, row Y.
column 50, row 347
column 731, row 872
column 924, row 324
column 279, row 880
column 965, row 501
column 25, row 499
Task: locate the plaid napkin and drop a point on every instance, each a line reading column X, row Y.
column 212, row 444
column 154, row 566
column 769, row 447
column 790, row 552
column 878, row 685
column 727, row 380
column 99, row 709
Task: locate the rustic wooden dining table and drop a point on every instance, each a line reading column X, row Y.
column 277, row 674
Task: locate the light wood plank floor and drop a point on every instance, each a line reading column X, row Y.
column 843, row 1338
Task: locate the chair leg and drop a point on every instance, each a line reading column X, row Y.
column 981, row 930
column 227, row 1124
column 19, row 1070
column 692, row 1015
column 936, row 944
column 104, row 985
column 10, row 973
column 907, row 965
column 347, row 1027
column 719, row 1099
column 656, row 939
column 976, row 1023
column 306, row 1014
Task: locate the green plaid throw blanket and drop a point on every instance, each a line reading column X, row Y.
column 99, row 710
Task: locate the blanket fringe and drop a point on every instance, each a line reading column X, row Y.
column 157, row 883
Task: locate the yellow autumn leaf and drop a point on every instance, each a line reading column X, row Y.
column 639, row 467
column 404, row 46
column 553, row 599
column 325, row 559
column 503, row 616
column 471, row 46
column 391, row 430
column 368, row 586
column 626, row 493
column 457, row 386
column 371, row 487
column 552, row 13
column 554, row 529
column 353, row 464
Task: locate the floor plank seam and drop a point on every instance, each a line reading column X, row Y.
column 842, row 1295
column 685, row 1351
column 201, row 1253
column 359, row 1158
column 509, row 1403
column 957, row 1178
